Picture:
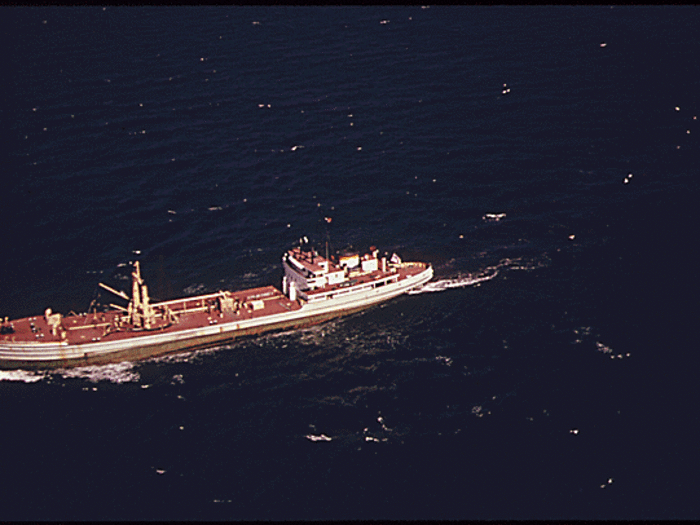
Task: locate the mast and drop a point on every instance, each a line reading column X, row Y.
column 135, row 295
column 328, row 237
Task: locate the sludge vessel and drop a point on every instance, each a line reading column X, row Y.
column 314, row 289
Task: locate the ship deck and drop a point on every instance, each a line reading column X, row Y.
column 191, row 312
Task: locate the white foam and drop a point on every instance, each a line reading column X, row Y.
column 25, row 376
column 172, row 358
column 444, row 284
column 113, row 373
column 486, row 275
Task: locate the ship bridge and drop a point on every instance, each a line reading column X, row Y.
column 306, row 270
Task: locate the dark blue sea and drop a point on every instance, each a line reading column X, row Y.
column 543, row 159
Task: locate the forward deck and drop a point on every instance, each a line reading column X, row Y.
column 189, row 313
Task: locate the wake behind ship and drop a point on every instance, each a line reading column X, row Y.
column 314, row 289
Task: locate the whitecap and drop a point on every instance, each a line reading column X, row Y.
column 446, row 360
column 602, row 348
column 321, row 437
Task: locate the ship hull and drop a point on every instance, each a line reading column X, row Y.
column 39, row 355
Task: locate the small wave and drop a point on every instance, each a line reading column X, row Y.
column 443, row 359
column 194, row 289
column 493, row 217
column 182, row 357
column 380, row 420
column 113, row 373
column 581, row 333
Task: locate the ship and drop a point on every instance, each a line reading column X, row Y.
column 314, row 289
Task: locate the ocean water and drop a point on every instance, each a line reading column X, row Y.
column 544, row 159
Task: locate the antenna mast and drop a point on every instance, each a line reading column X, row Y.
column 328, row 236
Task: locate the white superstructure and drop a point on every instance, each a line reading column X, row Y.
column 349, row 280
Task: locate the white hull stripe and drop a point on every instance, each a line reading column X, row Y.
column 38, row 351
